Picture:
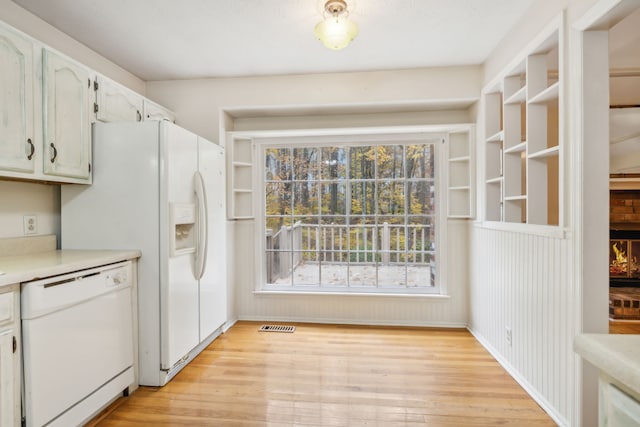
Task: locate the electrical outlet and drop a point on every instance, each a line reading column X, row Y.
column 30, row 224
column 509, row 336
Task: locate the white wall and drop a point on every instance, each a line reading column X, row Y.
column 17, row 198
column 197, row 102
column 540, row 285
column 22, row 198
column 402, row 93
column 522, row 282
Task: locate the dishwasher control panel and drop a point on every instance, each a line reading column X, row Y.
column 43, row 296
column 116, row 277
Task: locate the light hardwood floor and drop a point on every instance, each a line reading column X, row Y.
column 327, row 375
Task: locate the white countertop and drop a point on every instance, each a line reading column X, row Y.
column 616, row 355
column 23, row 268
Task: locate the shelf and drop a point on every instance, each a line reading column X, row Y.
column 517, row 98
column 515, row 198
column 518, row 148
column 495, row 180
column 460, row 174
column 542, row 154
column 460, row 159
column 240, row 179
column 550, row 94
column 497, row 137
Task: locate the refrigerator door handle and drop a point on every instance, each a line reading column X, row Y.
column 201, row 251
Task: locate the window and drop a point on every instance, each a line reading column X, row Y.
column 351, row 217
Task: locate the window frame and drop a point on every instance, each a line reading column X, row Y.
column 438, row 139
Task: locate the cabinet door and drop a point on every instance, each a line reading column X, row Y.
column 66, row 120
column 16, row 103
column 117, row 103
column 153, row 111
column 617, row 408
column 7, row 380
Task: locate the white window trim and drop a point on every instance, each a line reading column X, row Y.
column 351, row 136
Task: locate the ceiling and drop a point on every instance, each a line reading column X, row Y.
column 624, row 43
column 185, row 39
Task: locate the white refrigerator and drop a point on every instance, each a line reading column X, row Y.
column 160, row 189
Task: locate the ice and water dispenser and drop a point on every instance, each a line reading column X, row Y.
column 183, row 228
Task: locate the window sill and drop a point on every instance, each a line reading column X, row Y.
column 353, row 294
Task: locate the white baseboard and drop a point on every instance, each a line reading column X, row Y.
column 367, row 322
column 515, row 374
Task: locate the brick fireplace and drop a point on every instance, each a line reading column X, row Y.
column 624, row 254
column 624, row 209
column 624, row 234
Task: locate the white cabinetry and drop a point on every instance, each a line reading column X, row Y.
column 66, row 119
column 47, row 105
column 9, row 356
column 522, row 136
column 17, row 149
column 45, row 113
column 116, row 103
column 616, row 407
column 153, row 111
column 460, row 174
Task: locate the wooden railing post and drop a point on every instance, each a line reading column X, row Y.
column 386, row 243
column 269, row 246
column 285, row 247
column 296, row 240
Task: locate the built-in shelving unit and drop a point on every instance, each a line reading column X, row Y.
column 522, row 139
column 459, row 176
column 240, row 203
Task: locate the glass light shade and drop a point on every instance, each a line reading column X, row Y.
column 336, row 32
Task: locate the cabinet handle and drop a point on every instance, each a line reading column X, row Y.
column 54, row 152
column 33, row 149
column 138, row 116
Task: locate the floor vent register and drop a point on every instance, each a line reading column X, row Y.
column 277, row 328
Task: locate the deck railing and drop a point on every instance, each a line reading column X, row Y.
column 384, row 244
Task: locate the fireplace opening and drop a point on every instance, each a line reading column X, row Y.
column 624, row 250
column 624, row 258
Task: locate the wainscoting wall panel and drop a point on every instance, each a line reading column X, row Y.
column 520, row 304
column 353, row 309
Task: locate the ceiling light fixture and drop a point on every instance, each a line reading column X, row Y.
column 336, row 30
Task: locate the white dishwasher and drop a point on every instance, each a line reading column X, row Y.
column 77, row 337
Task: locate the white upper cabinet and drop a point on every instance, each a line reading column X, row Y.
column 66, row 119
column 17, row 146
column 153, row 111
column 47, row 104
column 116, row 103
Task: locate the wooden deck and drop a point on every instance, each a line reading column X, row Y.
column 329, row 375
